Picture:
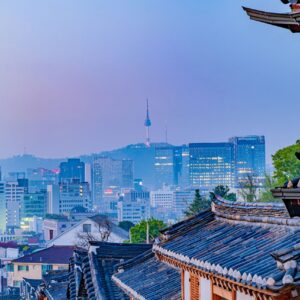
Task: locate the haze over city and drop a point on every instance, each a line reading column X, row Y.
column 74, row 78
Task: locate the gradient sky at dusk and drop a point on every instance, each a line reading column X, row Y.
column 74, row 75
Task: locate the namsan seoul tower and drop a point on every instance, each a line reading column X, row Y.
column 147, row 125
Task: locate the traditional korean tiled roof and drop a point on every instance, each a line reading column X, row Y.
column 56, row 285
column 289, row 21
column 91, row 271
column 255, row 244
column 51, row 255
column 32, row 283
column 53, row 285
column 145, row 277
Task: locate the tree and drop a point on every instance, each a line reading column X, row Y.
column 223, row 191
column 99, row 232
column 286, row 165
column 265, row 194
column 126, row 225
column 198, row 205
column 138, row 233
column 248, row 189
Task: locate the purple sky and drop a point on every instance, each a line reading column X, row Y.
column 74, row 75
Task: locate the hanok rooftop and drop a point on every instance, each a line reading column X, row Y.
column 234, row 251
column 289, row 20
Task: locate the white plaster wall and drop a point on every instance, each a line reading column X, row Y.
column 70, row 237
column 205, row 289
column 241, row 296
column 187, row 290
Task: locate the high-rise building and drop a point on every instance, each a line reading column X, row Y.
column 39, row 178
column 164, row 165
column 183, row 174
column 211, row 164
column 249, row 156
column 110, row 174
column 171, row 164
column 181, row 202
column 14, row 195
column 162, row 198
column 88, row 173
column 2, row 208
column 72, row 169
column 34, row 205
column 134, row 206
column 127, row 173
column 53, row 191
column 74, row 194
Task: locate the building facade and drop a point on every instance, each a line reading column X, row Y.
column 211, row 164
column 249, row 157
column 72, row 169
column 110, row 174
column 134, row 206
column 2, row 208
column 14, row 193
column 74, row 194
column 34, row 205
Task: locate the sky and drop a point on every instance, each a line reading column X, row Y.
column 75, row 74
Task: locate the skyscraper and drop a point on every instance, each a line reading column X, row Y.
column 53, row 199
column 112, row 174
column 72, row 169
column 2, row 207
column 147, row 124
column 164, row 165
column 211, row 164
column 14, row 194
column 249, row 156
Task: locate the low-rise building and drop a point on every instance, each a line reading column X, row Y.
column 97, row 227
column 35, row 265
column 54, row 225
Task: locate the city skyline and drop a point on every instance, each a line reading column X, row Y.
column 83, row 89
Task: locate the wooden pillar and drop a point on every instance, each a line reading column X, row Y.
column 182, row 284
column 194, row 287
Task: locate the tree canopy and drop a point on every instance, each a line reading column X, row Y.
column 126, row 225
column 199, row 204
column 224, row 192
column 248, row 189
column 286, row 165
column 265, row 193
column 139, row 232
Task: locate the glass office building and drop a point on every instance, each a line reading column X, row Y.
column 249, row 156
column 211, row 164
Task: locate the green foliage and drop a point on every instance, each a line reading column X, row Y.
column 286, row 165
column 138, row 232
column 248, row 189
column 198, row 205
column 223, row 191
column 265, row 194
column 126, row 225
